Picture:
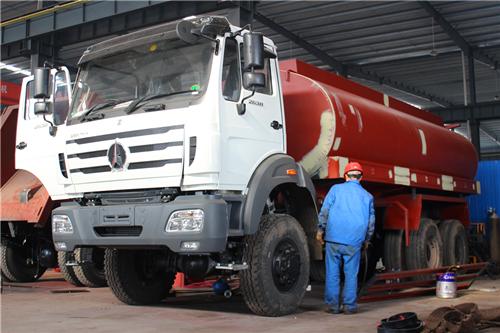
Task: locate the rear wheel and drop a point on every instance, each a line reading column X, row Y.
column 18, row 264
column 278, row 273
column 426, row 246
column 136, row 276
column 455, row 245
column 90, row 270
column 67, row 272
column 394, row 250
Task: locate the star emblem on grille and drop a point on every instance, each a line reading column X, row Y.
column 117, row 156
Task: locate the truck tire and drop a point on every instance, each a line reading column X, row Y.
column 317, row 270
column 426, row 246
column 15, row 265
column 394, row 250
column 278, row 273
column 90, row 270
column 3, row 277
column 134, row 277
column 67, row 272
column 455, row 245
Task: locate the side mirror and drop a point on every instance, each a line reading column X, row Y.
column 253, row 51
column 42, row 76
column 253, row 80
column 184, row 30
column 253, row 58
column 41, row 108
column 190, row 31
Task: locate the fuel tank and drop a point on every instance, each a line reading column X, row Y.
column 331, row 120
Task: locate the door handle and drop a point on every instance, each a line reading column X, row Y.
column 21, row 145
column 276, row 125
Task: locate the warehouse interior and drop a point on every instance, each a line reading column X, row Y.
column 442, row 57
column 439, row 56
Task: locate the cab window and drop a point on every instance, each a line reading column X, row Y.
column 61, row 100
column 28, row 102
column 231, row 73
column 268, row 88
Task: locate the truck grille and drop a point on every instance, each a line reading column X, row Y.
column 127, row 231
column 123, row 155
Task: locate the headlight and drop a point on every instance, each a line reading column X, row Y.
column 61, row 224
column 189, row 220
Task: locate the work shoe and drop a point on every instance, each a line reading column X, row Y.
column 350, row 312
column 333, row 311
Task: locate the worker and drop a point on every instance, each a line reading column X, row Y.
column 348, row 217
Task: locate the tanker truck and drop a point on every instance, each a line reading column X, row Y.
column 189, row 148
column 27, row 248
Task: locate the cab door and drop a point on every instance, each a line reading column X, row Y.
column 37, row 150
column 249, row 138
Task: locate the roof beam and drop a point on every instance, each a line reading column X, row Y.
column 321, row 55
column 460, row 114
column 457, row 38
column 489, row 136
column 346, row 69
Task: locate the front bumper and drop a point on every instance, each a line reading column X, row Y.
column 143, row 225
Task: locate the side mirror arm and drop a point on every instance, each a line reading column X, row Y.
column 197, row 32
column 241, row 107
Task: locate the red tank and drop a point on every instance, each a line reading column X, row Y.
column 331, row 120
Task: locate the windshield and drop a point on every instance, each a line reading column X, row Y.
column 106, row 86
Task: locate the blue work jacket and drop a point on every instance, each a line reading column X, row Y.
column 347, row 214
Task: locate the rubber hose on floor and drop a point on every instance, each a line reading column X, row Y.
column 406, row 322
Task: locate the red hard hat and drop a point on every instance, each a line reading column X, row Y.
column 353, row 166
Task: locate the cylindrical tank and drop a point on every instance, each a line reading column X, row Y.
column 338, row 118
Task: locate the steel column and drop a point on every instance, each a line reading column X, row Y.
column 247, row 15
column 457, row 38
column 35, row 59
column 472, row 121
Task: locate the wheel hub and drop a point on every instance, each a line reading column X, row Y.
column 432, row 253
column 286, row 265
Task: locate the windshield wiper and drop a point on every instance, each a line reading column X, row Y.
column 95, row 108
column 135, row 104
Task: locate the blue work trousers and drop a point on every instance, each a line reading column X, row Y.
column 350, row 255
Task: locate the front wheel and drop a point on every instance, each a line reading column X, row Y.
column 68, row 272
column 91, row 267
column 278, row 274
column 136, row 277
column 18, row 264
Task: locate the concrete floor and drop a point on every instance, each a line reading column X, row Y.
column 46, row 306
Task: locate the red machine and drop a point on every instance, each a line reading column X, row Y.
column 9, row 93
column 27, row 248
column 417, row 170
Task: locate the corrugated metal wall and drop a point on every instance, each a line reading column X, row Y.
column 488, row 174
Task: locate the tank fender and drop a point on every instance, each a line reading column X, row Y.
column 275, row 170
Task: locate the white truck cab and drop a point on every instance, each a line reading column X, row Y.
column 37, row 146
column 174, row 152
